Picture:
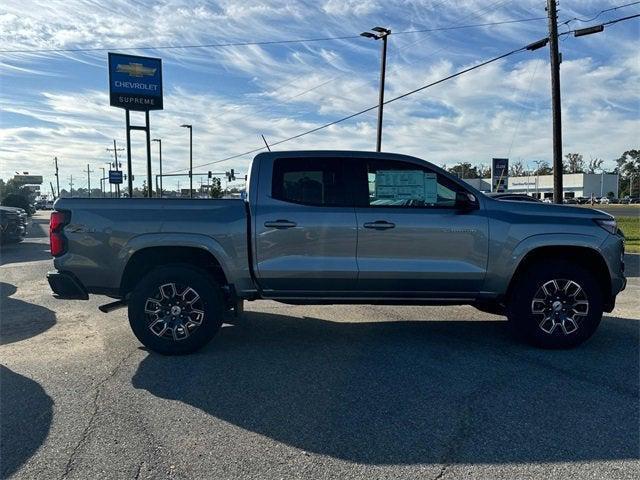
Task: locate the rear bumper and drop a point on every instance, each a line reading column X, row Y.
column 66, row 286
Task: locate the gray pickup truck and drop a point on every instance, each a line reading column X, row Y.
column 323, row 227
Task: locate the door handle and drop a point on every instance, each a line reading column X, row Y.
column 380, row 225
column 280, row 224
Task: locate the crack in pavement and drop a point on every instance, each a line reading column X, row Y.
column 94, row 413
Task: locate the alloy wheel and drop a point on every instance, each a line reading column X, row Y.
column 174, row 312
column 560, row 304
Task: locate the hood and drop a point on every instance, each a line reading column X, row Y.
column 545, row 209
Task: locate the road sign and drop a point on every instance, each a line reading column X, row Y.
column 115, row 176
column 499, row 174
column 135, row 83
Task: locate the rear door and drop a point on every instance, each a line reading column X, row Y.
column 413, row 239
column 306, row 232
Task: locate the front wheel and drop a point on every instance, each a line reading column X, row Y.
column 555, row 305
column 176, row 309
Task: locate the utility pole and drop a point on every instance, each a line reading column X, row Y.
column 190, row 127
column 555, row 100
column 115, row 151
column 89, row 172
column 57, row 178
column 381, row 34
column 159, row 140
column 102, row 182
column 71, row 184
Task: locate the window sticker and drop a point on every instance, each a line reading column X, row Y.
column 397, row 185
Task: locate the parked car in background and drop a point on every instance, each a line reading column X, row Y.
column 330, row 227
column 604, row 201
column 514, row 197
column 13, row 224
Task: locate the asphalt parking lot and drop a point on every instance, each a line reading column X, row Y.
column 308, row 392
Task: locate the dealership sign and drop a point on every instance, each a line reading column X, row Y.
column 28, row 179
column 135, row 83
column 499, row 174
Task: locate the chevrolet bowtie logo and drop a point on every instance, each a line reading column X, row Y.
column 135, row 70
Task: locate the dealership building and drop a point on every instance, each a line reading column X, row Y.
column 541, row 186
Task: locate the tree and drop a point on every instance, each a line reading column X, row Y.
column 517, row 169
column 543, row 169
column 215, row 189
column 11, row 187
column 594, row 164
column 484, row 171
column 464, row 170
column 16, row 200
column 574, row 163
column 629, row 170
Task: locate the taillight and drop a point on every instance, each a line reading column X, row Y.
column 57, row 240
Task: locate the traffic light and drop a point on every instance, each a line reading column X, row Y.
column 210, row 175
column 233, row 175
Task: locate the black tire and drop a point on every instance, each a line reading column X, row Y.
column 147, row 293
column 555, row 329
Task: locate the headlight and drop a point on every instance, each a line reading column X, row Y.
column 610, row 225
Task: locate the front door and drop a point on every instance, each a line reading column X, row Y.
column 413, row 239
column 306, row 230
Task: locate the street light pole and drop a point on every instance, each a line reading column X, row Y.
column 57, row 177
column 159, row 140
column 537, row 162
column 89, row 172
column 381, row 34
column 190, row 127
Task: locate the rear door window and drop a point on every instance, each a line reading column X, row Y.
column 310, row 181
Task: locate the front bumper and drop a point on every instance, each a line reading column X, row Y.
column 66, row 286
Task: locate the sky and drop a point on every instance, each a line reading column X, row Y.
column 57, row 104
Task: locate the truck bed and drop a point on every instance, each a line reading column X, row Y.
column 104, row 233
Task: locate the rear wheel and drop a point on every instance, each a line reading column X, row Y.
column 555, row 305
column 176, row 309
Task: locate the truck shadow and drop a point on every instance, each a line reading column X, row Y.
column 23, row 252
column 26, row 417
column 21, row 320
column 413, row 392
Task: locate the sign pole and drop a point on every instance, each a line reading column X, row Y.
column 135, row 83
column 115, row 154
column 148, row 132
column 130, row 177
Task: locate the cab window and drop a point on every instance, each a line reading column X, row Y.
column 310, row 181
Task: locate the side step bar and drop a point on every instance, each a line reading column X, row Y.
column 110, row 307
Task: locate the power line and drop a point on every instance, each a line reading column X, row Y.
column 348, row 117
column 566, row 22
column 494, row 5
column 411, row 92
column 460, row 27
column 611, row 22
column 259, row 43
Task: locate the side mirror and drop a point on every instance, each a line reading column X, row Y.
column 466, row 201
